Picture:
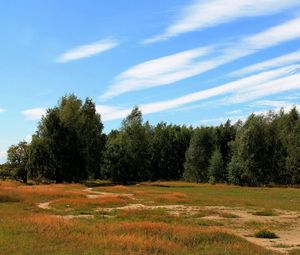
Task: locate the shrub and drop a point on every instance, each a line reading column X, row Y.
column 265, row 234
column 6, row 197
column 265, row 213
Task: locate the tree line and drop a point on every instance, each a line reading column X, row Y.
column 70, row 146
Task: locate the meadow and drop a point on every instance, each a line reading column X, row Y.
column 148, row 218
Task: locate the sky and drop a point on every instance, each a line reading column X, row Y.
column 192, row 62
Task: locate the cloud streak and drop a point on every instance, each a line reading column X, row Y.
column 203, row 14
column 34, row 113
column 249, row 88
column 275, row 104
column 161, row 71
column 186, row 64
column 286, row 59
column 88, row 50
column 2, row 109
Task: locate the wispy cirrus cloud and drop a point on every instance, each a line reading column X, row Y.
column 87, row 50
column 286, row 59
column 264, row 105
column 2, row 109
column 275, row 104
column 290, row 82
column 34, row 113
column 255, row 86
column 157, row 72
column 234, row 112
column 202, row 14
column 176, row 67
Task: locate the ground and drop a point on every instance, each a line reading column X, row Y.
column 149, row 218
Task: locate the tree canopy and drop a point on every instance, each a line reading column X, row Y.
column 69, row 146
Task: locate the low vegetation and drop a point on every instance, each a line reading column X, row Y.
column 108, row 219
column 266, row 213
column 265, row 234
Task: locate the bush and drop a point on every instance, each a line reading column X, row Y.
column 265, row 234
column 6, row 197
column 265, row 213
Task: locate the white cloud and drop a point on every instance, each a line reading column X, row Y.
column 203, row 14
column 161, row 71
column 88, row 50
column 2, row 109
column 217, row 121
column 34, row 113
column 275, row 104
column 173, row 68
column 2, row 154
column 287, row 59
column 291, row 82
column 111, row 112
column 28, row 138
column 282, row 79
column 234, row 112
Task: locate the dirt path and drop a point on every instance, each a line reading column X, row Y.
column 44, row 206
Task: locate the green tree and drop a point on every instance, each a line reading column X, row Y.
column 17, row 157
column 169, row 144
column 68, row 144
column 198, row 155
column 251, row 161
column 293, row 155
column 216, row 170
column 127, row 154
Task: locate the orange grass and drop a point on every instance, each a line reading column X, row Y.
column 174, row 197
column 82, row 202
column 133, row 237
column 26, row 230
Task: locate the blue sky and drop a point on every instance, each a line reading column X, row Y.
column 194, row 62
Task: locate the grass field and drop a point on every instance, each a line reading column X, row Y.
column 149, row 218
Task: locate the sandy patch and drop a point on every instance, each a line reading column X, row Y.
column 45, row 206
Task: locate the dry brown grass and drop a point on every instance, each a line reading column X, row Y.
column 27, row 230
column 130, row 237
column 174, row 197
column 83, row 202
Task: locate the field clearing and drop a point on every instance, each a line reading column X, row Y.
column 149, row 218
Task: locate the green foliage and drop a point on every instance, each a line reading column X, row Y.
column 168, row 147
column 216, row 170
column 293, row 154
column 198, row 155
column 251, row 163
column 265, row 234
column 266, row 150
column 127, row 153
column 266, row 213
column 5, row 171
column 17, row 157
column 68, row 144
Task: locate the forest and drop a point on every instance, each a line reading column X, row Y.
column 70, row 146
